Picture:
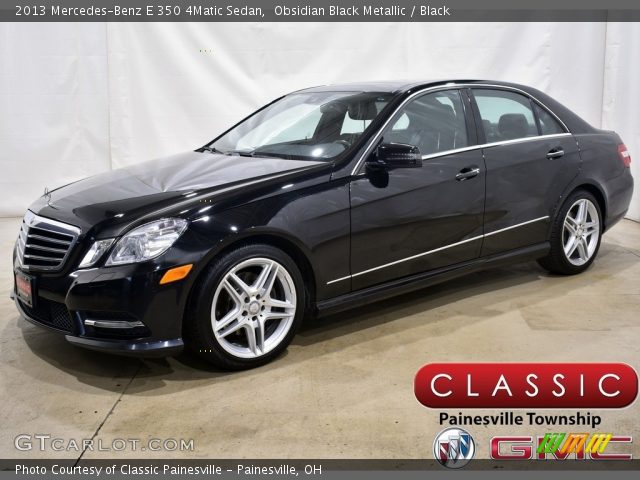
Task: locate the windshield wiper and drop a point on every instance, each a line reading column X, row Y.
column 213, row 150
column 241, row 153
column 246, row 153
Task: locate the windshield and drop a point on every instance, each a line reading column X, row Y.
column 313, row 125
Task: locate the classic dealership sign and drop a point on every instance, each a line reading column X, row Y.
column 526, row 385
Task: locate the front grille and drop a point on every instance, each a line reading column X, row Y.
column 45, row 244
column 48, row 312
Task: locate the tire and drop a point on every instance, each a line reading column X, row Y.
column 566, row 258
column 270, row 300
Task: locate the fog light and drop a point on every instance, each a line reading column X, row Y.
column 175, row 274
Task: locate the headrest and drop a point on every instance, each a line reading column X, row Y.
column 364, row 110
column 446, row 110
column 513, row 125
column 336, row 107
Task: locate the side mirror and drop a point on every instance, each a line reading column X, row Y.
column 397, row 155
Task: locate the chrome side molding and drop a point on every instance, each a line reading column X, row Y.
column 439, row 249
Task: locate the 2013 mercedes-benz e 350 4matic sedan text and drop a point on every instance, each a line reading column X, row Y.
column 324, row 199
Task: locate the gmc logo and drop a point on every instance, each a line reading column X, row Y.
column 548, row 447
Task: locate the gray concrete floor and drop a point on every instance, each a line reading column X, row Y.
column 344, row 387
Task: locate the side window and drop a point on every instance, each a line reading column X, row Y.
column 401, row 124
column 548, row 124
column 505, row 115
column 433, row 122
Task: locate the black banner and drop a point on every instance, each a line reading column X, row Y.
column 320, row 11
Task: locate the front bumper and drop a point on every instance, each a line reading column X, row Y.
column 134, row 347
column 77, row 303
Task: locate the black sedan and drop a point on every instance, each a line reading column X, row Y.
column 325, row 199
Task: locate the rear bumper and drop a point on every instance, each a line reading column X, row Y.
column 620, row 191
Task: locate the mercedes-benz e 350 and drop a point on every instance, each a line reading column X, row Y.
column 325, row 199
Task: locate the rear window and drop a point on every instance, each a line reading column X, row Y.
column 548, row 124
column 505, row 115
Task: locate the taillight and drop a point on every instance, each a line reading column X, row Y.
column 624, row 154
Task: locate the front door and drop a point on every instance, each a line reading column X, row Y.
column 411, row 220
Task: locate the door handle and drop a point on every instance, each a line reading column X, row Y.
column 468, row 172
column 555, row 153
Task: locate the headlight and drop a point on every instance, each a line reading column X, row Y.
column 147, row 241
column 95, row 252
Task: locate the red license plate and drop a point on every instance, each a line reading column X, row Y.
column 24, row 288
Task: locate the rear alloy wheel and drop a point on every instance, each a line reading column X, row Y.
column 575, row 235
column 581, row 232
column 247, row 308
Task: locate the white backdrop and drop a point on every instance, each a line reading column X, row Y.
column 77, row 99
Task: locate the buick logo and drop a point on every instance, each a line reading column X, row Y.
column 454, row 448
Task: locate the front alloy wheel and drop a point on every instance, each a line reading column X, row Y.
column 253, row 307
column 246, row 307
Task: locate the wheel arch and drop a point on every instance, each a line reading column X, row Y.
column 289, row 247
column 274, row 239
column 601, row 198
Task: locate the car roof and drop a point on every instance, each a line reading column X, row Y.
column 396, row 86
column 403, row 87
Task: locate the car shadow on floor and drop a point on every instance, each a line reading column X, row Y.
column 417, row 302
column 161, row 376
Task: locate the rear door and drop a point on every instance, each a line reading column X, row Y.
column 530, row 159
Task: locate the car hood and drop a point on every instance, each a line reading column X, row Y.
column 120, row 196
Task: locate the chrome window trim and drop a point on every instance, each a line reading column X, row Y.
column 413, row 257
column 454, row 86
column 528, row 95
column 492, row 144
